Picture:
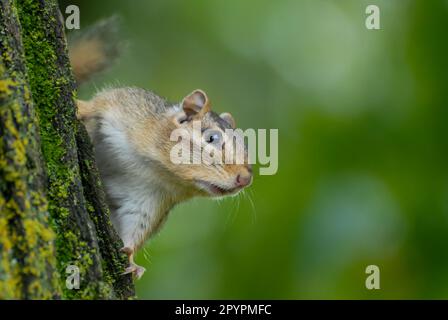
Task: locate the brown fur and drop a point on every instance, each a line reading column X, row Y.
column 131, row 129
column 87, row 57
column 149, row 121
column 95, row 48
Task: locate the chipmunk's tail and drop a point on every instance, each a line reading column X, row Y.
column 95, row 49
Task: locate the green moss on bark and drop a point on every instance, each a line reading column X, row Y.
column 27, row 259
column 52, row 207
column 52, row 88
column 78, row 239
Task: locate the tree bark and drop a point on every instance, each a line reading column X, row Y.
column 53, row 212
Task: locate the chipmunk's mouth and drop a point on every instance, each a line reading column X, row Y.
column 216, row 190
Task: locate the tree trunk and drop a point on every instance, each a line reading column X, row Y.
column 52, row 206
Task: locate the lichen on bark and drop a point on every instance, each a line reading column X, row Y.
column 27, row 259
column 52, row 207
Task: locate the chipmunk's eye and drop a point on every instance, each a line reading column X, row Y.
column 182, row 119
column 212, row 137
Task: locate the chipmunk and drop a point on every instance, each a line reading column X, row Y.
column 130, row 129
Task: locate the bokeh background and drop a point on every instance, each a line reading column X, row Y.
column 363, row 141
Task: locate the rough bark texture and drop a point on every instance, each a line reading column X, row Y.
column 52, row 207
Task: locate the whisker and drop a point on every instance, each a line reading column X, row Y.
column 146, row 255
column 231, row 215
column 254, row 211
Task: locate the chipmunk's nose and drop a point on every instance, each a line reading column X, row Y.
column 244, row 179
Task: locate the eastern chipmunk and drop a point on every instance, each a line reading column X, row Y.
column 130, row 129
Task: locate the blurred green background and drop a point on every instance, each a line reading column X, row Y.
column 363, row 142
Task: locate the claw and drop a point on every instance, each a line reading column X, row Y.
column 136, row 270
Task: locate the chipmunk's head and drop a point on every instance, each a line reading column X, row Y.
column 207, row 153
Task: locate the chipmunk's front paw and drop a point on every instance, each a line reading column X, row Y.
column 136, row 270
column 133, row 268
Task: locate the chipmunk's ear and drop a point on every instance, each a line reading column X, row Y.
column 227, row 117
column 196, row 103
